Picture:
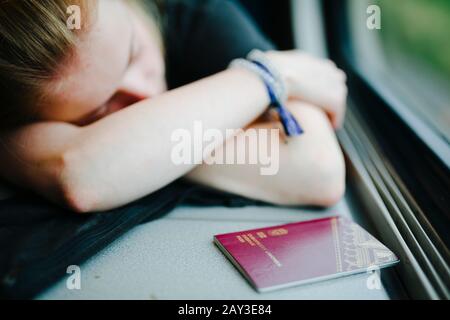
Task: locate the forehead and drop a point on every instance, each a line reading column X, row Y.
column 93, row 72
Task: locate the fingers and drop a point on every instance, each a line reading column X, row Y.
column 314, row 80
column 336, row 95
column 328, row 93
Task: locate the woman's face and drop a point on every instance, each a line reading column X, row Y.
column 118, row 62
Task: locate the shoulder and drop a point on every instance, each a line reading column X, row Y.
column 203, row 36
column 200, row 6
column 185, row 15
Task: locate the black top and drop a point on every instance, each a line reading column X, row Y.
column 203, row 36
column 38, row 240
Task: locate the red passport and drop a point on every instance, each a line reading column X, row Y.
column 304, row 252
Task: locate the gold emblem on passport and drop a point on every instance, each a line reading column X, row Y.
column 261, row 234
column 277, row 232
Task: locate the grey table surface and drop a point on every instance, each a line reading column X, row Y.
column 175, row 258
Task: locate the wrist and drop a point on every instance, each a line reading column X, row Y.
column 263, row 61
column 251, row 83
column 285, row 73
column 259, row 64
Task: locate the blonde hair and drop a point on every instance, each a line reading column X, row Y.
column 34, row 41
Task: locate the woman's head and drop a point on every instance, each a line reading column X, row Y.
column 48, row 72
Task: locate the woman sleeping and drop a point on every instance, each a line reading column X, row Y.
column 87, row 114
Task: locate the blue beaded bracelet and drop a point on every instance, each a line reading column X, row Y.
column 290, row 124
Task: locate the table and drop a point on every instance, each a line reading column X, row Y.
column 175, row 258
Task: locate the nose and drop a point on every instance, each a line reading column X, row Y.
column 135, row 85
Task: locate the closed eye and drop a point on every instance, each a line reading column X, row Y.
column 97, row 114
column 110, row 106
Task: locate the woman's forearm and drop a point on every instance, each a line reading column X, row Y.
column 128, row 154
column 310, row 169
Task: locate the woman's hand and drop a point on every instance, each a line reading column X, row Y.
column 313, row 80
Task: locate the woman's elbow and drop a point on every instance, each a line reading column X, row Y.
column 328, row 186
column 331, row 185
column 77, row 190
column 76, row 200
column 322, row 181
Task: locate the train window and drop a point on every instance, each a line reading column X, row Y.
column 397, row 56
column 408, row 54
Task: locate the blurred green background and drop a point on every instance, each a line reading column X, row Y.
column 419, row 27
